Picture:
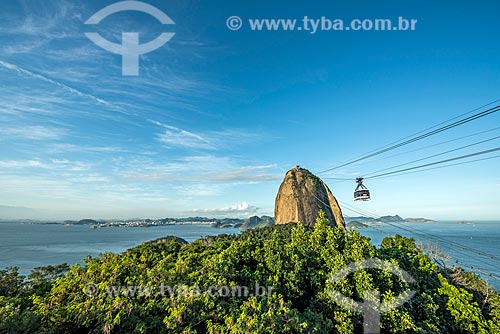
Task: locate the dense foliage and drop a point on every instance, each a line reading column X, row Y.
column 296, row 261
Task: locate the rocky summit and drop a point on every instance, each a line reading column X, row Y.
column 301, row 196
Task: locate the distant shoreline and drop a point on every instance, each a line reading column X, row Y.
column 227, row 222
column 251, row 222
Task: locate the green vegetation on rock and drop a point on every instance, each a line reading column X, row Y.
column 258, row 222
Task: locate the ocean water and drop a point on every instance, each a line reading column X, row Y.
column 452, row 238
column 31, row 245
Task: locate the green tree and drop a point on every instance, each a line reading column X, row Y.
column 295, row 261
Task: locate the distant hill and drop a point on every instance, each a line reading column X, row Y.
column 226, row 222
column 395, row 218
column 87, row 222
column 419, row 220
column 257, row 222
column 465, row 223
column 167, row 239
column 356, row 224
column 361, row 219
column 388, row 219
column 251, row 222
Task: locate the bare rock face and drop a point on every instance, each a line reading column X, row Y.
column 301, row 196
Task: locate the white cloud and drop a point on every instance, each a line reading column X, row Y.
column 61, row 165
column 203, row 169
column 241, row 210
column 25, row 47
column 64, row 148
column 245, row 174
column 243, row 206
column 44, row 19
column 20, row 70
column 32, row 132
column 173, row 136
column 190, row 191
column 22, row 164
column 211, row 140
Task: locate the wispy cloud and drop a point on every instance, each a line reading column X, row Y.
column 39, row 23
column 241, row 210
column 205, row 169
column 66, row 148
column 24, row 47
column 62, row 165
column 245, row 174
column 42, row 18
column 32, row 133
column 173, row 136
column 74, row 91
column 73, row 128
column 21, row 164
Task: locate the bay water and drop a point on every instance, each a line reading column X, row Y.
column 28, row 245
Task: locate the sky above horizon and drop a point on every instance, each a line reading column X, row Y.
column 216, row 117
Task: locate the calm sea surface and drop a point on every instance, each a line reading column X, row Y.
column 452, row 239
column 31, row 245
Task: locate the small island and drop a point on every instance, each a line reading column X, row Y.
column 356, row 224
column 464, row 223
column 419, row 220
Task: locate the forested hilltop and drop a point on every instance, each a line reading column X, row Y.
column 294, row 260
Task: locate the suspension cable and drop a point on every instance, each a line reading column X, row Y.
column 420, row 137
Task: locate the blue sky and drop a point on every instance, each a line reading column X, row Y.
column 216, row 117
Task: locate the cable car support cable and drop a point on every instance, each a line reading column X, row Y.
column 420, row 137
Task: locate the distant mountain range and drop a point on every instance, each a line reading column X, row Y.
column 389, row 219
column 251, row 222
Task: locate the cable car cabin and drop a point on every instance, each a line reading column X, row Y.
column 361, row 193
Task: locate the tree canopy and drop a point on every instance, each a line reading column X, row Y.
column 291, row 263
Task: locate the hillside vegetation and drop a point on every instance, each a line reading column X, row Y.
column 295, row 260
